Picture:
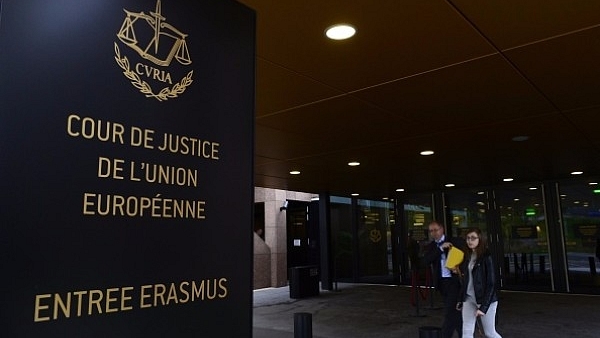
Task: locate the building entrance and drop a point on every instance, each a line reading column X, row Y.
column 544, row 237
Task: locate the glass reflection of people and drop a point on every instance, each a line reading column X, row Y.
column 413, row 252
column 447, row 283
column 478, row 294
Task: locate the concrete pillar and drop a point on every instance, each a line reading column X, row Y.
column 276, row 228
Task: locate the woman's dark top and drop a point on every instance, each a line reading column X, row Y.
column 484, row 281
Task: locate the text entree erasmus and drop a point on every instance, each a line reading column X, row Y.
column 55, row 306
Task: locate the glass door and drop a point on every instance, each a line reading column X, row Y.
column 523, row 230
column 416, row 212
column 474, row 209
column 466, row 209
column 375, row 241
column 580, row 207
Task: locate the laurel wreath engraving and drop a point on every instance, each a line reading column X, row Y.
column 164, row 94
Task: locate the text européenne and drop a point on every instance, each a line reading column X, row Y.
column 140, row 206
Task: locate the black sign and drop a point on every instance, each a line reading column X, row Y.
column 126, row 145
column 524, row 232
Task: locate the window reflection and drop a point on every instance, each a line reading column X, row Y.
column 362, row 251
column 524, row 230
column 580, row 206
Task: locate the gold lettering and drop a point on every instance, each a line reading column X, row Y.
column 172, row 294
column 70, row 130
column 183, row 289
column 132, row 172
column 89, row 129
column 55, row 306
column 37, row 317
column 108, row 168
column 125, row 298
column 144, row 295
column 137, row 68
column 95, row 298
column 223, row 288
column 58, row 303
column 110, row 299
column 159, row 293
column 79, row 295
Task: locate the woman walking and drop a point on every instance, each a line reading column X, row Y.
column 478, row 293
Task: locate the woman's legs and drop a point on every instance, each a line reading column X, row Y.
column 489, row 322
column 468, row 316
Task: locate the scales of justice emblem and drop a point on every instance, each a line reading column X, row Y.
column 158, row 42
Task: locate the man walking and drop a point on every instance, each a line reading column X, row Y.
column 447, row 283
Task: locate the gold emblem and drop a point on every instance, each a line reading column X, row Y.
column 157, row 43
column 375, row 235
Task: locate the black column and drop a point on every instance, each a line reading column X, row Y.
column 438, row 204
column 355, row 242
column 399, row 244
column 556, row 237
column 495, row 238
column 325, row 243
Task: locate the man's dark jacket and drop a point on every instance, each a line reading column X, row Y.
column 432, row 256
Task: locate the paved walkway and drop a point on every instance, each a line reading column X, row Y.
column 380, row 311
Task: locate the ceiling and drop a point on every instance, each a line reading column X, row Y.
column 460, row 77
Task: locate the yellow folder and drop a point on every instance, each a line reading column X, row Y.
column 455, row 257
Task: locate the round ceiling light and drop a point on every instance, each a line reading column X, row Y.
column 340, row 32
column 427, row 152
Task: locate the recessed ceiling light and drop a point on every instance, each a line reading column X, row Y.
column 400, row 189
column 532, row 188
column 508, row 179
column 295, row 172
column 354, row 194
column 427, row 152
column 577, row 173
column 520, row 138
column 450, row 185
column 353, row 163
column 593, row 183
column 340, row 32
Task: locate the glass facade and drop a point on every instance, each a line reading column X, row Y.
column 375, row 241
column 543, row 236
column 466, row 209
column 362, row 240
column 523, row 229
column 580, row 207
column 343, row 239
